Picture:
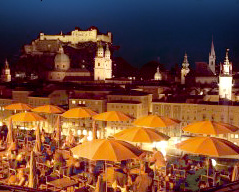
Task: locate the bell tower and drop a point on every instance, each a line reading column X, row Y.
column 185, row 69
column 6, row 73
column 225, row 79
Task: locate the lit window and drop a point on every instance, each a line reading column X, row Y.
column 236, row 136
column 232, row 136
column 79, row 102
column 83, row 102
column 73, row 102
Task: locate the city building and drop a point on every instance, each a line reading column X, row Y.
column 103, row 64
column 63, row 71
column 225, row 79
column 6, row 73
column 185, row 69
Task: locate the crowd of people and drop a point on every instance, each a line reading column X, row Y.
column 150, row 172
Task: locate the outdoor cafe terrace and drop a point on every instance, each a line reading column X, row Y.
column 38, row 160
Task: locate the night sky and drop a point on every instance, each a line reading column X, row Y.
column 144, row 30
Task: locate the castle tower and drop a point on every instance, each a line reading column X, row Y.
column 103, row 64
column 6, row 73
column 225, row 79
column 185, row 69
column 157, row 75
column 212, row 59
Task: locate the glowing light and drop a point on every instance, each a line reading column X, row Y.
column 84, row 132
column 214, row 162
column 90, row 133
column 89, row 138
column 78, row 132
column 1, row 123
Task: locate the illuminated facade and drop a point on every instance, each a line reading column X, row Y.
column 6, row 73
column 185, row 69
column 103, row 64
column 225, row 79
column 63, row 70
column 79, row 36
column 158, row 76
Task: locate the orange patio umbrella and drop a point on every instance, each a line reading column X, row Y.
column 112, row 116
column 109, row 116
column 106, row 149
column 48, row 109
column 210, row 128
column 79, row 112
column 27, row 117
column 37, row 147
column 10, row 138
column 18, row 106
column 141, row 134
column 33, row 174
column 209, row 146
column 58, row 130
column 155, row 121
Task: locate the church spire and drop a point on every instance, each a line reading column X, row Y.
column 212, row 49
column 6, row 64
column 212, row 59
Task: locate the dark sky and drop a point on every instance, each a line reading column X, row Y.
column 144, row 29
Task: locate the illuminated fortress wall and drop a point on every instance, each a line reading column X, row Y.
column 77, row 36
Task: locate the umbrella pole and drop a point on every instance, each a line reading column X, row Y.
column 207, row 170
column 105, row 176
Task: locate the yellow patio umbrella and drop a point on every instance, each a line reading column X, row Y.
column 109, row 116
column 79, row 112
column 210, row 128
column 107, row 150
column 52, row 109
column 10, row 138
column 37, row 147
column 27, row 117
column 58, row 130
column 210, row 146
column 155, row 121
column 32, row 176
column 112, row 116
column 141, row 134
column 18, row 106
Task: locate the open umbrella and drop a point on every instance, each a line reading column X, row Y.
column 18, row 106
column 209, row 146
column 10, row 137
column 105, row 149
column 27, row 117
column 141, row 134
column 52, row 109
column 37, row 147
column 155, row 121
column 112, row 116
column 109, row 116
column 32, row 175
column 210, row 128
column 80, row 112
column 58, row 130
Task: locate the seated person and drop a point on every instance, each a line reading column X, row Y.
column 70, row 140
column 158, row 159
column 91, row 176
column 121, row 176
column 21, row 178
column 143, row 183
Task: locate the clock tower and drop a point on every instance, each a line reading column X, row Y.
column 225, row 79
